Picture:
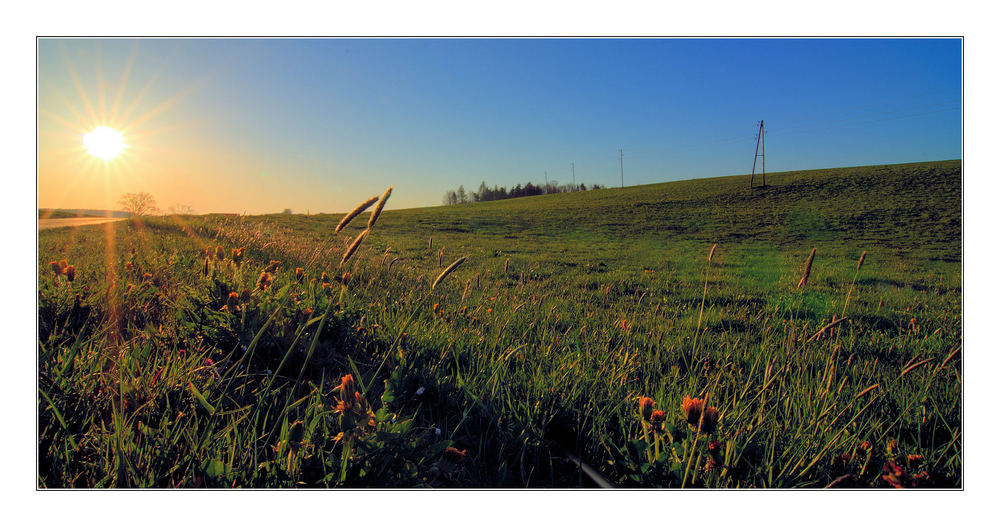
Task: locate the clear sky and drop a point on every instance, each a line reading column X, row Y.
column 256, row 126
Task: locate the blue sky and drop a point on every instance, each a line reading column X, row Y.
column 262, row 125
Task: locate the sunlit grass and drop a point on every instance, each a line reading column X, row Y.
column 524, row 360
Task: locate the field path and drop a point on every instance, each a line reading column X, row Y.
column 52, row 223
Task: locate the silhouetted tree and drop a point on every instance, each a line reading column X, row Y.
column 180, row 209
column 139, row 203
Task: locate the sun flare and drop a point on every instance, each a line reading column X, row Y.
column 104, row 143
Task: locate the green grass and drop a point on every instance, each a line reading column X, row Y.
column 498, row 378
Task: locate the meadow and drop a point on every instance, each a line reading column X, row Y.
column 651, row 336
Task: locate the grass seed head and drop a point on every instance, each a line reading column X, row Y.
column 379, row 207
column 353, row 247
column 447, row 271
column 712, row 252
column 354, row 213
column 805, row 274
column 861, row 261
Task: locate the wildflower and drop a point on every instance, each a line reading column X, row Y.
column 693, row 414
column 657, row 418
column 70, row 273
column 454, row 454
column 646, row 405
column 866, row 446
column 208, row 252
column 300, row 274
column 272, row 267
column 57, row 267
column 237, row 255
column 343, row 279
column 220, row 253
column 890, row 448
column 420, row 391
column 341, row 407
column 146, row 276
column 233, row 299
column 264, row 280
column 346, row 384
column 324, row 278
column 914, row 459
column 895, row 475
column 208, row 362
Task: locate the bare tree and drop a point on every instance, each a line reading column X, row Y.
column 139, row 204
column 180, row 209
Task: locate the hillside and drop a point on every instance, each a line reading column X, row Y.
column 896, row 206
column 567, row 311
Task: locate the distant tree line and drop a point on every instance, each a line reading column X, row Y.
column 454, row 197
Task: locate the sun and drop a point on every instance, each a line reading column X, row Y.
column 104, row 143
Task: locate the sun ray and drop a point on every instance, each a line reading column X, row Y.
column 101, row 109
column 75, row 78
column 123, row 119
column 74, row 128
column 123, row 81
column 162, row 107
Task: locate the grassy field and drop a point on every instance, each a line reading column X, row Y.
column 586, row 339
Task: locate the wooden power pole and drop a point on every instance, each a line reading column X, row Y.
column 621, row 163
column 759, row 152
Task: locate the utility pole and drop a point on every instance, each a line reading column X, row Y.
column 758, row 151
column 621, row 163
column 546, row 182
column 572, row 166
